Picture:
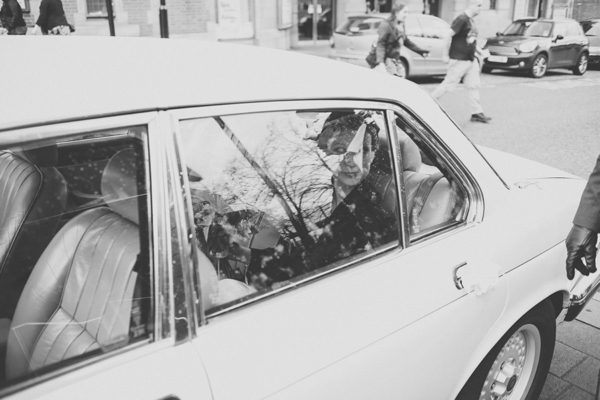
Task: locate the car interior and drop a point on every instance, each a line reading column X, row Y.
column 75, row 273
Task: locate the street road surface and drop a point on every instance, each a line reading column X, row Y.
column 554, row 120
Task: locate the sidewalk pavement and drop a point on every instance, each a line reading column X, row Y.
column 574, row 370
column 576, row 363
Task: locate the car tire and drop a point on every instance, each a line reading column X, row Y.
column 486, row 70
column 518, row 364
column 540, row 66
column 582, row 64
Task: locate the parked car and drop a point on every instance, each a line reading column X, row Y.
column 544, row 44
column 591, row 28
column 174, row 234
column 352, row 41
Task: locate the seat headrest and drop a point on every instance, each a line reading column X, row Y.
column 46, row 156
column 411, row 155
column 120, row 186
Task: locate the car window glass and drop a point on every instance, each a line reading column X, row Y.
column 412, row 26
column 283, row 196
column 516, row 28
column 573, row 29
column 76, row 281
column 560, row 29
column 361, row 26
column 539, row 28
column 435, row 199
column 434, row 27
column 593, row 30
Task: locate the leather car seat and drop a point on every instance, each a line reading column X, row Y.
column 80, row 293
column 33, row 196
column 430, row 198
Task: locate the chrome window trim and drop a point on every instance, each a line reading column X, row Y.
column 178, row 182
column 293, row 105
column 475, row 203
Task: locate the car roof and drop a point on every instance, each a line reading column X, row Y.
column 51, row 79
column 387, row 15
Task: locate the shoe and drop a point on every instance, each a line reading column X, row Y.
column 480, row 118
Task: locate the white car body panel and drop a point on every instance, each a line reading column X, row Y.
column 378, row 329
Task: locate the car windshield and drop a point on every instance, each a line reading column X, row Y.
column 359, row 25
column 539, row 29
column 517, row 28
column 592, row 29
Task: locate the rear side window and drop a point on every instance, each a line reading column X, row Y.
column 359, row 26
column 76, row 281
column 282, row 197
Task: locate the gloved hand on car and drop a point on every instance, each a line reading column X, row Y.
column 581, row 243
column 424, row 53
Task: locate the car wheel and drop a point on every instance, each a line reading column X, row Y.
column 486, row 70
column 582, row 64
column 540, row 65
column 517, row 366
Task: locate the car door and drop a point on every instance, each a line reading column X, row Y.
column 361, row 325
column 560, row 48
column 119, row 329
column 414, row 32
column 434, row 30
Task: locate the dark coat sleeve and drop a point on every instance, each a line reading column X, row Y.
column 42, row 20
column 588, row 213
column 413, row 46
column 383, row 33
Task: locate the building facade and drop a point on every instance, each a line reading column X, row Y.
column 283, row 23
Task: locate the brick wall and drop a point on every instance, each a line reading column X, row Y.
column 70, row 7
column 187, row 16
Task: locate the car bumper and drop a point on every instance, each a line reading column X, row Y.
column 594, row 60
column 513, row 62
column 583, row 291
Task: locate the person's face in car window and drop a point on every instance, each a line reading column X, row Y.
column 352, row 166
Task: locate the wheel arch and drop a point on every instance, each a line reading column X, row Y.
column 408, row 64
column 558, row 299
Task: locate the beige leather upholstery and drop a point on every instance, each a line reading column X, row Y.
column 33, row 196
column 439, row 204
column 78, row 297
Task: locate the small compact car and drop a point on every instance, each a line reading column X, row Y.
column 352, row 41
column 591, row 28
column 177, row 225
column 542, row 45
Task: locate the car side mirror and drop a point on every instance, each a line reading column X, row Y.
column 558, row 37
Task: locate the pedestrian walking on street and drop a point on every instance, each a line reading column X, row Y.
column 582, row 240
column 460, row 52
column 52, row 19
column 385, row 56
column 11, row 17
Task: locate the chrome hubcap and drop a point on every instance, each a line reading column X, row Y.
column 512, row 372
column 583, row 61
column 539, row 68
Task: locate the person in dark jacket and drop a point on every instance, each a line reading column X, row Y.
column 582, row 240
column 52, row 19
column 391, row 37
column 11, row 16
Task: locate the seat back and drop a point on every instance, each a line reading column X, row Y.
column 33, row 196
column 79, row 295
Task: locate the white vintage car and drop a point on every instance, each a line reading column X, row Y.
column 187, row 220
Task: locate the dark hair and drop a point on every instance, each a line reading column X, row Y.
column 348, row 120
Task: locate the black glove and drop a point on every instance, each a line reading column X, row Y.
column 581, row 242
column 424, row 53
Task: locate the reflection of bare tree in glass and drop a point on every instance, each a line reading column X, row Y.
column 297, row 171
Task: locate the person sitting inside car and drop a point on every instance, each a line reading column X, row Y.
column 361, row 217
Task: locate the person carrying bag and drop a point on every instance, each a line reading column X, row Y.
column 385, row 54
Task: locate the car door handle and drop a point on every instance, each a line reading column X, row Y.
column 170, row 397
column 480, row 278
column 457, row 276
